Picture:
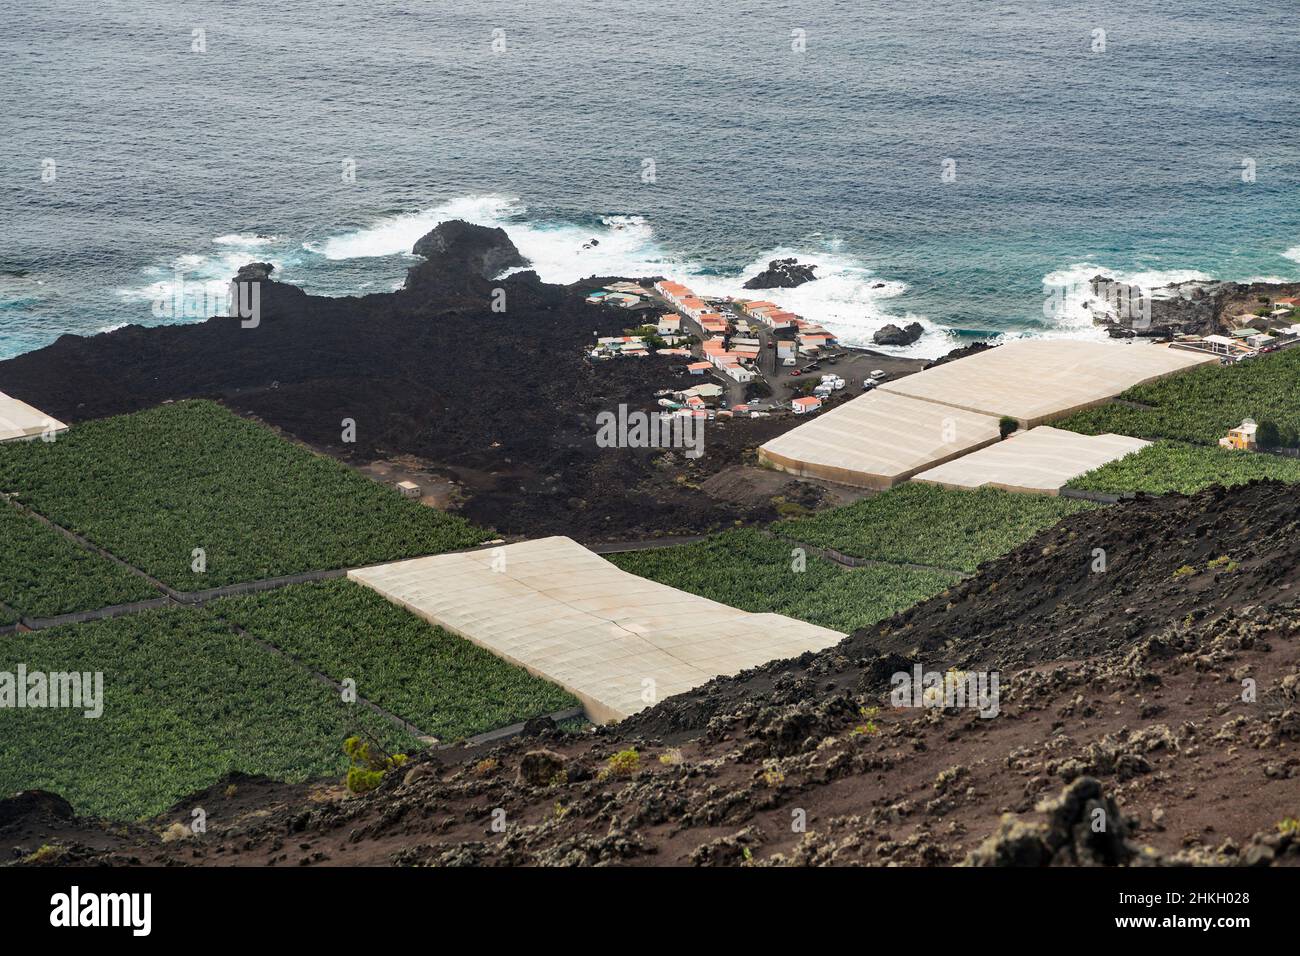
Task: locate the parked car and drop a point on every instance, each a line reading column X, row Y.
column 878, row 374
column 794, row 372
column 868, row 385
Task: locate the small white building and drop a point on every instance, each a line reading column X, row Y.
column 408, row 489
column 802, row 406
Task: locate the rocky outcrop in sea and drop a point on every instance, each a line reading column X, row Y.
column 1179, row 308
column 891, row 334
column 782, row 274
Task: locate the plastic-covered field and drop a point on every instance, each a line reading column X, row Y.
column 20, row 420
column 879, row 440
column 1037, row 380
column 1043, row 460
column 618, row 642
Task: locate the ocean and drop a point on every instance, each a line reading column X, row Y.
column 949, row 162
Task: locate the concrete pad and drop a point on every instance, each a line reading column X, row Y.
column 1036, row 380
column 1041, row 460
column 879, row 440
column 568, row 615
column 20, row 420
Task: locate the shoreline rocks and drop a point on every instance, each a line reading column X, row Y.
column 484, row 251
column 1179, row 308
column 891, row 334
column 782, row 274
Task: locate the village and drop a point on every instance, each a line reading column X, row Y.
column 754, row 358
column 1273, row 324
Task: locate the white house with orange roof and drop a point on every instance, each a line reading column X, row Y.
column 802, row 406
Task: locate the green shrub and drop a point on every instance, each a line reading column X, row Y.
column 43, row 574
column 369, row 764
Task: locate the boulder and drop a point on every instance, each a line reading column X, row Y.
column 892, row 335
column 540, row 768
column 538, row 725
column 254, row 272
column 35, row 808
column 1083, row 827
column 483, row 250
column 782, row 274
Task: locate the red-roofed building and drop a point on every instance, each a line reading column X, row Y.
column 802, row 406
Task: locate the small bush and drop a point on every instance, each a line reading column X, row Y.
column 369, row 764
column 624, row 763
column 868, row 728
column 671, row 757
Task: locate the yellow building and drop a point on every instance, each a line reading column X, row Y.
column 1242, row 437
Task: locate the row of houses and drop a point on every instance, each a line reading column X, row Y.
column 769, row 313
column 631, row 346
column 712, row 321
column 733, row 359
column 810, row 338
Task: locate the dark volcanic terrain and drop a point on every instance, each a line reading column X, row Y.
column 502, row 402
column 1154, row 695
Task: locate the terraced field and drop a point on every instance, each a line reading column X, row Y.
column 1175, row 466
column 929, row 525
column 43, row 574
column 154, row 486
column 754, row 572
column 1200, row 405
column 442, row 683
column 185, row 701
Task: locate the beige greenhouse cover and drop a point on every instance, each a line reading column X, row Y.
column 20, row 420
column 878, row 440
column 1037, row 380
column 616, row 641
column 1043, row 459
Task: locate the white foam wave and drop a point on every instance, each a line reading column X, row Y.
column 848, row 298
column 1067, row 292
column 244, row 241
column 395, row 235
column 191, row 270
